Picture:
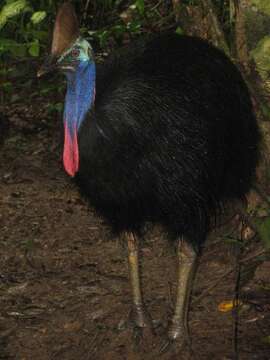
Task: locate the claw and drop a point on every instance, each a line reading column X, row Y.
column 142, row 332
column 176, row 338
column 140, row 324
column 176, row 345
column 137, row 335
column 166, row 344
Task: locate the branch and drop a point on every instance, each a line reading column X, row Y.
column 86, row 9
column 240, row 35
column 210, row 8
column 176, row 9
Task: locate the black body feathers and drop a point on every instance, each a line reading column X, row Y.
column 171, row 135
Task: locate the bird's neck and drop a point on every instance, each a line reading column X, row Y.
column 79, row 99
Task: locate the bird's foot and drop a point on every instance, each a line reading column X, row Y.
column 176, row 338
column 139, row 322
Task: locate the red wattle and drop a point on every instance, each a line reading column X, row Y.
column 71, row 152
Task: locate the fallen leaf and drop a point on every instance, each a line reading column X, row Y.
column 226, row 306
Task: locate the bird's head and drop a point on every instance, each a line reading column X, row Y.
column 68, row 50
column 73, row 55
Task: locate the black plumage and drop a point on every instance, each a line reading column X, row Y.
column 171, row 136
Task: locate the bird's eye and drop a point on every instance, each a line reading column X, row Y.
column 75, row 53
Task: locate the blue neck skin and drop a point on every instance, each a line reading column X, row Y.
column 80, row 94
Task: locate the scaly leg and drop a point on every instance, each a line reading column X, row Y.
column 140, row 316
column 178, row 329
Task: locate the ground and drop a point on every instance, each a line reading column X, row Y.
column 64, row 288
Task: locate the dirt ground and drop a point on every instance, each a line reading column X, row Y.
column 64, row 289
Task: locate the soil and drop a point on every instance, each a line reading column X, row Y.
column 64, row 287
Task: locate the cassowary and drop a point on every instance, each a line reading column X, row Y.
column 163, row 133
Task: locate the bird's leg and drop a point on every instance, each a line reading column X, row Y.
column 140, row 316
column 178, row 329
column 186, row 269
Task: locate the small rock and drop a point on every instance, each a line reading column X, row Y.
column 73, row 326
column 17, row 289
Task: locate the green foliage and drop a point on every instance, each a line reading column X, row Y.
column 16, row 49
column 263, row 225
column 130, row 22
column 139, row 4
column 12, row 9
column 23, row 31
column 38, row 16
column 265, row 110
column 57, row 107
column 262, row 5
column 179, row 31
column 34, row 48
column 261, row 55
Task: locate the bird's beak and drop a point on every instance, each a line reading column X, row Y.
column 48, row 66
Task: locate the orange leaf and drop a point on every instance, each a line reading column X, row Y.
column 226, row 306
